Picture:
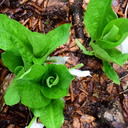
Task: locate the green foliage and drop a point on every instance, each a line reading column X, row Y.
column 13, row 35
column 114, row 33
column 109, row 71
column 12, row 90
column 34, row 47
column 14, row 57
column 39, row 85
column 107, row 32
column 36, row 83
column 53, row 114
column 61, row 85
column 83, row 48
column 12, row 96
column 98, row 14
column 46, row 44
column 33, row 84
column 110, row 55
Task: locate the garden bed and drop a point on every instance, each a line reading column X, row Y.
column 92, row 102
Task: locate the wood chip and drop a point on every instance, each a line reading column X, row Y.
column 87, row 119
column 35, row 6
column 76, row 122
column 23, row 1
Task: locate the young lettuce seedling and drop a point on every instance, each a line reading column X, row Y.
column 26, row 46
column 107, row 32
column 37, row 85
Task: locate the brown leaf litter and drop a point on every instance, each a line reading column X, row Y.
column 92, row 102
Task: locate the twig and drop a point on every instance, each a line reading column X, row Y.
column 2, row 2
column 76, row 12
column 126, row 11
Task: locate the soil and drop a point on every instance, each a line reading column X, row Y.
column 92, row 102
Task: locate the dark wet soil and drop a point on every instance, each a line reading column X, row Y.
column 92, row 102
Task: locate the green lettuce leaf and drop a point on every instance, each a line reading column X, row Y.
column 117, row 56
column 33, row 46
column 62, row 82
column 14, row 35
column 39, row 84
column 46, row 44
column 110, row 55
column 34, row 73
column 37, row 111
column 98, row 14
column 12, row 96
column 28, row 84
column 31, row 95
column 109, row 71
column 52, row 115
column 12, row 59
column 54, row 80
column 100, row 53
column 18, row 69
column 26, row 87
column 83, row 48
column 114, row 33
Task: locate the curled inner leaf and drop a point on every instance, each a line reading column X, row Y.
column 56, row 81
column 52, row 81
column 113, row 32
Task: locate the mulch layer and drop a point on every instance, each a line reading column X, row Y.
column 92, row 102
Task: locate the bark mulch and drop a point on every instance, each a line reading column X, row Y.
column 92, row 102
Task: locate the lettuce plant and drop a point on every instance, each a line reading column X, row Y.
column 38, row 85
column 107, row 32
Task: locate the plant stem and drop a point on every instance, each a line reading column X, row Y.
column 30, row 124
column 54, row 61
column 77, row 66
